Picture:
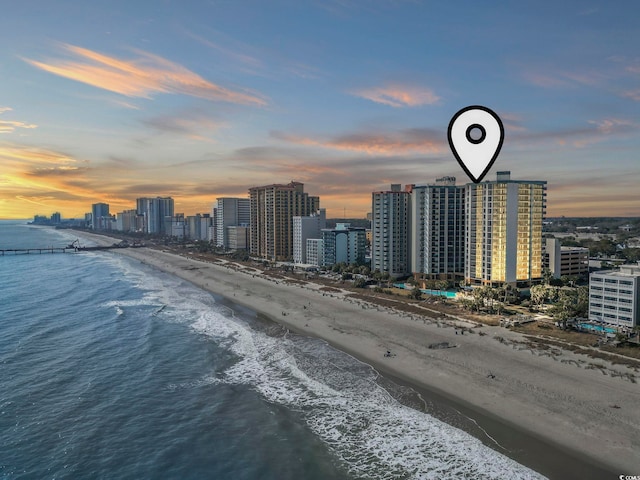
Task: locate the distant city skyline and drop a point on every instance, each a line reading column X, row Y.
column 105, row 103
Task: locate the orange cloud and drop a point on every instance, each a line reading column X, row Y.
column 20, row 155
column 414, row 140
column 9, row 126
column 140, row 77
column 399, row 96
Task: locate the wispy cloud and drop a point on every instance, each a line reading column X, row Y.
column 19, row 155
column 609, row 126
column 399, row 95
column 413, row 140
column 250, row 62
column 143, row 76
column 580, row 136
column 635, row 68
column 513, row 123
column 588, row 11
column 561, row 79
column 343, row 180
column 632, row 94
column 194, row 125
column 9, row 126
column 573, row 194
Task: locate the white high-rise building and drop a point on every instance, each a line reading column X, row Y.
column 438, row 228
column 230, row 211
column 614, row 296
column 390, row 230
column 503, row 241
column 305, row 227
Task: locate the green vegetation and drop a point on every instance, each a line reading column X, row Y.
column 608, row 225
column 491, row 300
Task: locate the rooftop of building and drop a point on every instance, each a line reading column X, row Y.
column 632, row 270
column 565, row 248
column 284, row 186
column 505, row 177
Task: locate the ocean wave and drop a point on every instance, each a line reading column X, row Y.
column 371, row 432
column 337, row 396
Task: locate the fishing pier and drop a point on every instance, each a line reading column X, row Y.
column 72, row 248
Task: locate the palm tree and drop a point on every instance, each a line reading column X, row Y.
column 416, row 293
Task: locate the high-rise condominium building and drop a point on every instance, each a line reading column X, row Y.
column 503, row 239
column 438, row 227
column 230, row 212
column 343, row 244
column 99, row 212
column 305, row 227
column 272, row 210
column 126, row 221
column 390, row 230
column 197, row 226
column 157, row 214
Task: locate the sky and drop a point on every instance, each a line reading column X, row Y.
column 110, row 101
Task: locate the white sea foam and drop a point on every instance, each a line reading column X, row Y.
column 373, row 434
column 370, row 431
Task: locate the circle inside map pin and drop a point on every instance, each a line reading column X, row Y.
column 475, row 136
column 483, row 133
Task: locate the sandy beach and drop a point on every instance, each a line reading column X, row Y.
column 586, row 408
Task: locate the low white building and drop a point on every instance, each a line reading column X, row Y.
column 614, row 296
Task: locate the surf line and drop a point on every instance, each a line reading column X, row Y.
column 483, row 430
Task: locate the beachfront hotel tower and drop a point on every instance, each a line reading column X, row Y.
column 390, row 230
column 344, row 244
column 503, row 240
column 99, row 213
column 438, row 228
column 157, row 213
column 230, row 212
column 272, row 208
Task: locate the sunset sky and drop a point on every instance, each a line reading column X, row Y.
column 109, row 101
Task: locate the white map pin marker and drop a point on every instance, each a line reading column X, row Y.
column 475, row 137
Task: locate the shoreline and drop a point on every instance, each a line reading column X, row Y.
column 563, row 413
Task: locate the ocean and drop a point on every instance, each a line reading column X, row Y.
column 111, row 369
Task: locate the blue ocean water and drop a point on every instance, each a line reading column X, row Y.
column 110, row 369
